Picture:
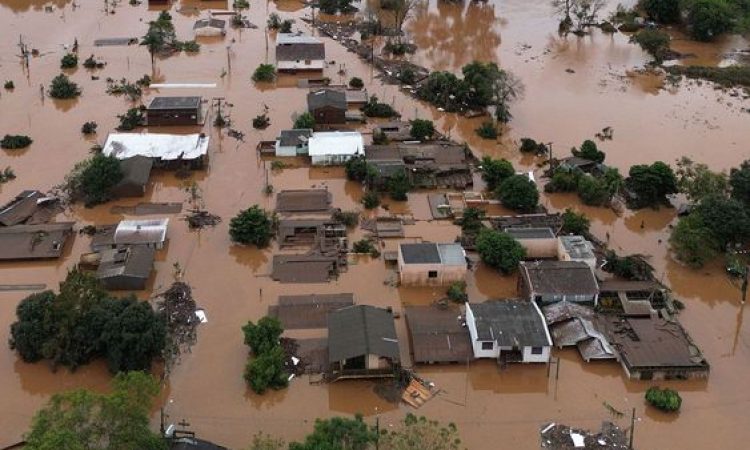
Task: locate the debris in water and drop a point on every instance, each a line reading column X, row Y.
column 198, row 219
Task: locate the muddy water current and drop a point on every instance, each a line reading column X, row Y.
column 574, row 88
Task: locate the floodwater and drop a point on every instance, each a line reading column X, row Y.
column 492, row 409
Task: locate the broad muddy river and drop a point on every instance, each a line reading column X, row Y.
column 574, row 87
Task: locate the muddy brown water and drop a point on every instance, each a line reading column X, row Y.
column 492, row 409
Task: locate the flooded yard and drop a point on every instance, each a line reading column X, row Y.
column 574, row 87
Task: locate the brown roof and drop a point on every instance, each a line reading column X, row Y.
column 437, row 335
column 28, row 207
column 34, row 241
column 629, row 286
column 308, row 311
column 300, row 51
column 652, row 342
column 304, row 200
column 559, row 277
column 303, row 268
column 362, row 330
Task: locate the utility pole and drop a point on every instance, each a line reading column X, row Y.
column 162, row 418
column 632, row 429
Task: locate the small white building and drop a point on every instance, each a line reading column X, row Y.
column 293, row 142
column 297, row 51
column 335, row 147
column 508, row 330
column 576, row 248
column 431, row 264
column 151, row 232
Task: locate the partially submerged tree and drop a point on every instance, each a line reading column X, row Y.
column 338, row 433
column 739, row 180
column 252, row 226
column 578, row 14
column 264, row 335
column 69, row 61
column 697, row 181
column 499, row 250
column 358, row 169
column 649, row 185
column 707, row 19
column 574, row 223
column 160, row 36
column 663, row 11
column 304, row 121
column 495, row 171
column 266, row 369
column 422, row 129
column 15, row 141
column 398, row 186
column 666, row 399
column 519, row 193
column 62, row 88
column 589, row 151
column 421, row 433
column 264, row 73
column 83, row 419
column 654, row 42
column 92, row 180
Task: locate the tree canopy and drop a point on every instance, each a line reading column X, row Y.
column 589, row 151
column 649, row 185
column 708, row 19
column 739, row 180
column 697, row 181
column 574, row 223
column 495, row 171
column 422, row 129
column 84, row 420
column 264, row 335
column 654, row 42
column 266, row 368
column 499, row 250
column 252, row 226
column 92, row 180
column 304, row 121
column 82, row 322
column 338, row 433
column 519, row 193
column 663, row 11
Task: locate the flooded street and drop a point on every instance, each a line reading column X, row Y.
column 492, row 409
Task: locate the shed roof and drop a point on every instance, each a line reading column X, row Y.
column 303, row 268
column 298, row 47
column 437, row 335
column 167, row 147
column 34, row 241
column 168, row 103
column 303, row 200
column 336, row 143
column 530, row 233
column 326, row 97
column 510, row 323
column 295, row 137
column 308, row 311
column 151, row 231
column 432, row 253
column 132, row 262
column 577, row 247
column 136, row 171
column 361, row 330
column 559, row 277
column 23, row 206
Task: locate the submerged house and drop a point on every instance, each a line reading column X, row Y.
column 150, row 233
column 573, row 324
column 26, row 242
column 174, row 111
column 293, row 142
column 548, row 282
column 427, row 263
column 362, row 343
column 171, row 151
column 436, row 164
column 127, row 268
column 136, row 172
column 30, row 208
column 297, row 51
column 209, row 27
column 508, row 330
column 335, row 147
column 327, row 106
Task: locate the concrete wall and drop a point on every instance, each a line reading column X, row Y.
column 529, row 357
column 418, row 274
column 317, row 64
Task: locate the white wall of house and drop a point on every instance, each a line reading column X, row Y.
column 310, row 64
column 329, row 160
column 290, row 150
column 530, row 357
column 479, row 350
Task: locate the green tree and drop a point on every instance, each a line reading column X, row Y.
column 654, row 42
column 304, row 121
column 338, row 433
column 420, row 433
column 574, row 223
column 263, row 441
column 487, row 130
column 15, row 141
column 266, row 370
column 252, row 226
column 34, row 327
column 707, row 19
column 495, row 171
column 160, row 36
column 133, row 335
column 593, row 191
column 370, row 200
column 358, row 169
column 356, row 83
column 727, row 219
column 499, row 250
column 739, row 180
column 650, row 185
column 264, row 335
column 457, row 292
column 697, row 181
column 519, row 194
column 692, row 242
column 663, row 11
column 98, row 177
column 62, row 88
column 589, row 151
column 264, row 73
column 398, row 187
column 84, row 420
column 563, row 180
column 471, row 221
column 422, row 129
column 664, row 399
column 69, row 61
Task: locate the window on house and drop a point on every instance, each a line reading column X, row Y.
column 432, row 274
column 488, row 345
column 308, row 62
column 537, row 350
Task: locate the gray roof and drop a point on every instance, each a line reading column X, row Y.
column 326, row 97
column 135, row 262
column 20, row 208
column 174, row 103
column 530, row 233
column 213, row 23
column 431, row 253
column 361, row 330
column 559, row 277
column 34, row 241
column 577, row 161
column 293, row 138
column 136, row 170
column 298, row 47
column 577, row 247
column 511, row 323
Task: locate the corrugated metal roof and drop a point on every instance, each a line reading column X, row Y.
column 530, row 233
column 336, row 143
column 158, row 103
column 326, row 97
column 452, row 254
column 20, row 208
column 129, row 232
column 167, row 147
column 577, row 247
column 420, row 253
column 135, row 262
column 560, row 277
column 510, row 323
column 361, row 330
column 292, row 138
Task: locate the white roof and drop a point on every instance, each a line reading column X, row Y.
column 152, row 231
column 295, row 38
column 152, row 145
column 336, row 143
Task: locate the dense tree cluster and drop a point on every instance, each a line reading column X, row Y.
column 499, row 250
column 266, row 368
column 62, row 88
column 252, row 226
column 422, row 129
column 705, row 19
column 92, row 180
column 483, row 85
column 518, row 193
column 83, row 322
column 649, row 185
column 495, row 171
